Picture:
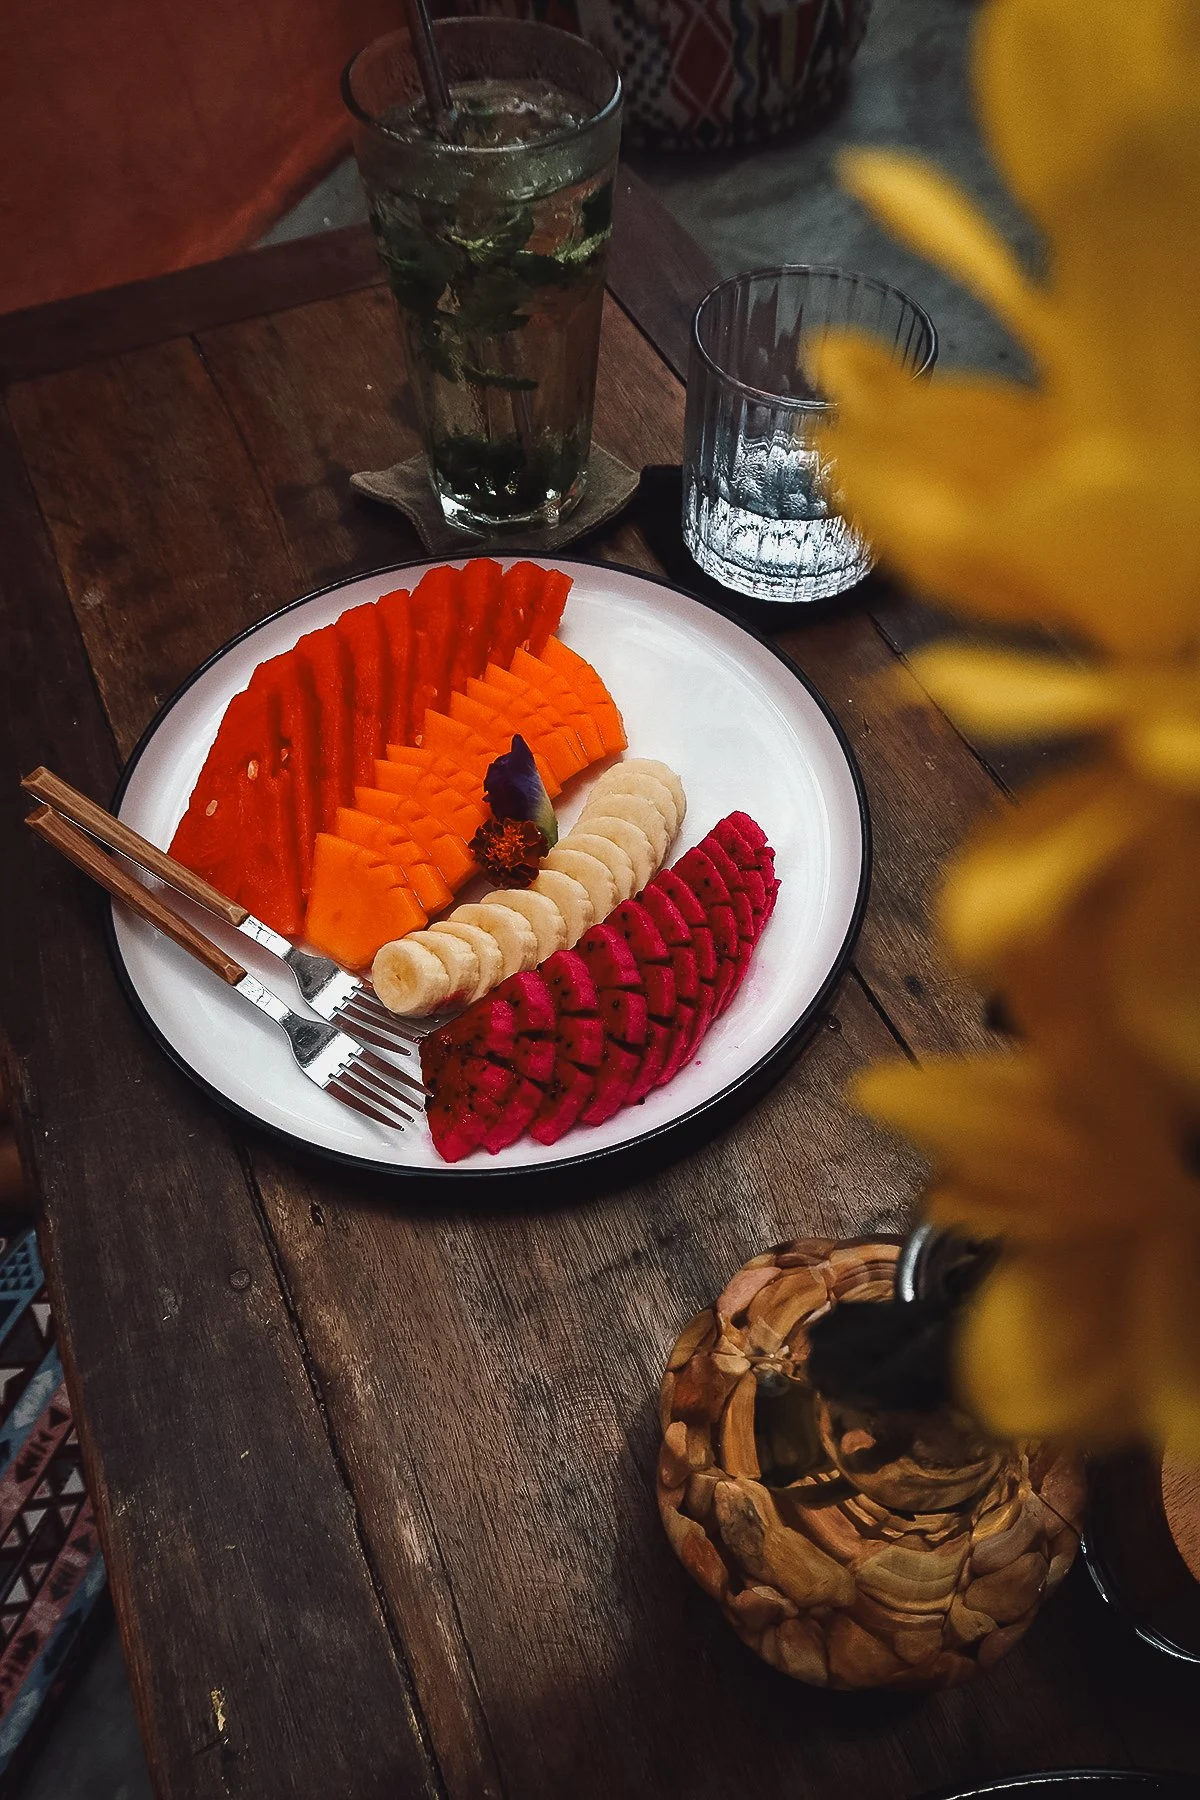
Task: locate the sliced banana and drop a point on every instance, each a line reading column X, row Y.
column 570, row 897
column 409, row 978
column 594, row 875
column 638, row 811
column 661, row 771
column 461, row 960
column 627, row 837
column 623, row 780
column 514, row 934
column 620, row 866
column 487, row 952
column 550, row 928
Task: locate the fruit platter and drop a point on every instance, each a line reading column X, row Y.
column 598, row 847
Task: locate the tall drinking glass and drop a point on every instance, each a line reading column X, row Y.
column 494, row 240
column 760, row 506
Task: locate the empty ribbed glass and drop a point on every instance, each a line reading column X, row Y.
column 760, row 510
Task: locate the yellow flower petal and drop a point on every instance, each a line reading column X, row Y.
column 1021, row 871
column 920, row 206
column 1044, row 1350
column 1166, row 749
column 1004, row 693
column 1156, row 951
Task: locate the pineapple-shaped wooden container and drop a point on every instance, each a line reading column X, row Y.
column 849, row 1549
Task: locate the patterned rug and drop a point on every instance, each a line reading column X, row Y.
column 51, row 1569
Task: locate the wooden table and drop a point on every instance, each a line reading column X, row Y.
column 375, row 1479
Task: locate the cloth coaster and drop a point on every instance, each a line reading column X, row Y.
column 406, row 485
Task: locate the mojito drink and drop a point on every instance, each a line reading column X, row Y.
column 494, row 239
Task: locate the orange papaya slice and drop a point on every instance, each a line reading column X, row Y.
column 395, row 846
column 557, row 691
column 357, row 902
column 583, row 679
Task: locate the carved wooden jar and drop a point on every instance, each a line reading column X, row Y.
column 850, row 1550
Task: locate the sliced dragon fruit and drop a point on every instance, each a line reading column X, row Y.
column 516, row 1115
column 637, row 926
column 684, row 899
column 659, row 1040
column 682, row 1029
column 706, row 882
column 532, row 1053
column 579, row 1037
column 569, row 1092
column 731, row 875
column 614, row 1079
column 572, row 987
column 625, row 1016
column 750, row 829
column 467, row 1103
column 745, row 859
column 610, row 961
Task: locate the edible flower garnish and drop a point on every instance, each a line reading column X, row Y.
column 510, row 845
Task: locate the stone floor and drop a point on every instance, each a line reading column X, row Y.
column 752, row 209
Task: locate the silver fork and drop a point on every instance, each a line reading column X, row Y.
column 328, row 989
column 328, row 1057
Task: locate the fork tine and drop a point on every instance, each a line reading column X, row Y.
column 391, row 1072
column 349, row 1097
column 392, row 1111
column 384, row 1090
column 368, row 1033
column 371, row 1010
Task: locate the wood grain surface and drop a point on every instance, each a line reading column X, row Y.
column 376, row 1477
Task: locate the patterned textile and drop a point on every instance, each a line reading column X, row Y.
column 51, row 1569
column 711, row 73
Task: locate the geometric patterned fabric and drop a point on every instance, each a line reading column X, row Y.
column 51, row 1569
column 710, row 74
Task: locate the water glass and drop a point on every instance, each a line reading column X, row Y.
column 760, row 501
column 494, row 238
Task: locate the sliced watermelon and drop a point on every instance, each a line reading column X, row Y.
column 547, row 610
column 521, row 587
column 395, row 616
column 327, row 669
column 361, row 629
column 436, row 611
column 481, row 589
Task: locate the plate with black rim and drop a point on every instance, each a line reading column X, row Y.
column 1080, row 1784
column 699, row 690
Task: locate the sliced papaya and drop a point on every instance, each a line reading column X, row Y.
column 444, row 802
column 435, row 766
column 552, row 685
column 361, row 630
column 396, row 846
column 466, row 746
column 357, row 903
column 583, row 679
column 395, row 616
column 484, row 716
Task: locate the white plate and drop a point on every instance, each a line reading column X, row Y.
column 696, row 689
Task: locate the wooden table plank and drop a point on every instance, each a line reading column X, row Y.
column 232, row 1541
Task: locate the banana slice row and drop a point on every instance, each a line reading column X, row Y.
column 618, row 842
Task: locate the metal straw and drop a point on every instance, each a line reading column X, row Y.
column 429, row 62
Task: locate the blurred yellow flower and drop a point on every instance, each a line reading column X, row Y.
column 1090, row 1324
column 1060, row 503
column 1072, row 502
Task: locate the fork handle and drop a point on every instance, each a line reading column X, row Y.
column 87, row 855
column 106, row 829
